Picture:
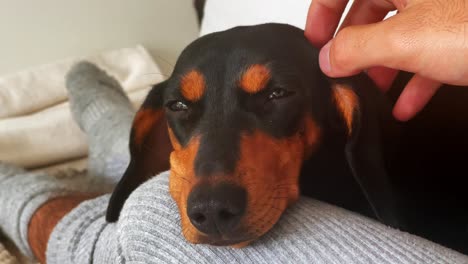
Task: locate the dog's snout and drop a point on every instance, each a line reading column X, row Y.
column 216, row 209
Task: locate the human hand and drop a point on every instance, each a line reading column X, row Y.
column 426, row 37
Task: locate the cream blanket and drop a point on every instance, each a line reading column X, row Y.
column 36, row 127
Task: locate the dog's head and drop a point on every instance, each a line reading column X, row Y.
column 243, row 109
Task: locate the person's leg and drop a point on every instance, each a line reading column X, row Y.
column 309, row 232
column 23, row 192
column 149, row 231
column 103, row 111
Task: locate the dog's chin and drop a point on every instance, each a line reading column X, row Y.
column 222, row 241
column 242, row 244
column 231, row 243
column 234, row 243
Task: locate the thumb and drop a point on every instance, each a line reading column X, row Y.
column 356, row 48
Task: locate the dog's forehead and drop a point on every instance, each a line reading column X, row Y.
column 234, row 68
column 236, row 49
column 250, row 58
column 224, row 60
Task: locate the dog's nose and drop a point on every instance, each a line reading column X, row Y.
column 216, row 209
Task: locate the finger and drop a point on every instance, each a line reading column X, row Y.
column 356, row 48
column 382, row 76
column 322, row 20
column 365, row 12
column 414, row 97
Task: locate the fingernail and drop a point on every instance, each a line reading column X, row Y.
column 324, row 58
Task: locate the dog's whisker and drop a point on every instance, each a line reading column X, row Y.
column 285, row 184
column 164, row 60
column 262, row 223
column 176, row 192
column 186, row 231
column 266, row 205
column 282, row 193
column 283, row 188
column 155, row 73
column 183, row 178
column 146, row 147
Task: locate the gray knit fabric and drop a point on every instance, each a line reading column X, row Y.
column 22, row 193
column 103, row 111
column 310, row 232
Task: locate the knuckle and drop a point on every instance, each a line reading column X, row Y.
column 343, row 49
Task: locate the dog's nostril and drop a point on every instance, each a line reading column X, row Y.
column 198, row 218
column 225, row 215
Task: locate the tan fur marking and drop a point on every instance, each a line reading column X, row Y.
column 193, row 86
column 175, row 143
column 312, row 135
column 347, row 102
column 268, row 168
column 255, row 78
column 143, row 122
column 181, row 182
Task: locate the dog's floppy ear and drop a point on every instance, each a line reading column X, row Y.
column 149, row 150
column 360, row 104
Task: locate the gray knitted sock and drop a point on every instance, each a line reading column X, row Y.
column 103, row 111
column 22, row 193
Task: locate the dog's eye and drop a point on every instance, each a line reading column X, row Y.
column 278, row 93
column 177, row 106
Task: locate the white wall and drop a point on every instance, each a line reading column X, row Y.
column 34, row 32
column 224, row 14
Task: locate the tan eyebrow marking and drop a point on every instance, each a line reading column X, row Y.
column 255, row 78
column 193, row 85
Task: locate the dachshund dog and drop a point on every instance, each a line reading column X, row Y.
column 247, row 122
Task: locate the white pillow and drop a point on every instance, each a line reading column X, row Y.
column 36, row 126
